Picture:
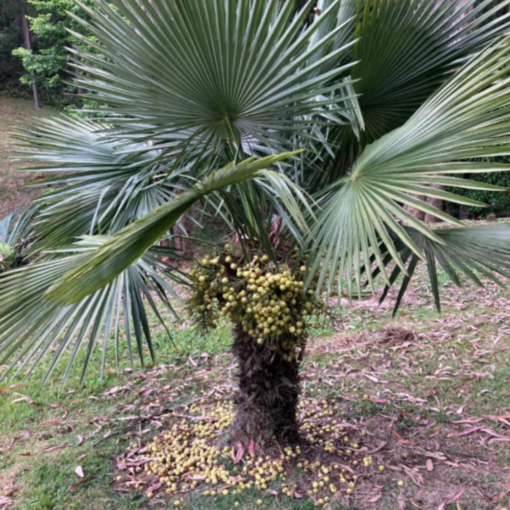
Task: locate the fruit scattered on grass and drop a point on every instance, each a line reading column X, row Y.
column 191, row 457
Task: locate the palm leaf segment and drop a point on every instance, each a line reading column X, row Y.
column 467, row 118
column 208, row 71
column 96, row 319
column 101, row 185
column 405, row 50
column 475, row 253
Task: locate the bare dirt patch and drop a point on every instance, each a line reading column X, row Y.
column 13, row 193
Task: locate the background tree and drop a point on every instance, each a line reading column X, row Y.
column 374, row 100
column 48, row 64
column 11, row 37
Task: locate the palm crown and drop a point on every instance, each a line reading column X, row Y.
column 357, row 106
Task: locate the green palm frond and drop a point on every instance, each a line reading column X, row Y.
column 344, row 15
column 469, row 117
column 49, row 327
column 208, row 71
column 284, row 223
column 129, row 244
column 406, row 49
column 101, row 185
column 16, row 227
column 473, row 253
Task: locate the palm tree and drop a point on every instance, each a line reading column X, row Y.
column 335, row 116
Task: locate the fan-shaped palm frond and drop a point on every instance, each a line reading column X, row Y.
column 475, row 253
column 469, row 117
column 405, row 49
column 27, row 337
column 209, row 71
column 99, row 188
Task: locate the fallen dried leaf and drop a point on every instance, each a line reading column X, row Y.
column 237, row 455
column 55, row 447
column 155, row 487
column 81, row 482
column 251, row 446
column 5, row 502
column 8, row 447
column 500, row 439
column 400, row 439
column 469, row 431
column 22, row 398
column 452, row 499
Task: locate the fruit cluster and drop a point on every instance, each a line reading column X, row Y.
column 270, row 302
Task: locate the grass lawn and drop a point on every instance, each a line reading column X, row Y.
column 431, row 391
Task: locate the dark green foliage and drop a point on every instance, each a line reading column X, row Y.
column 11, row 68
column 49, row 64
column 498, row 203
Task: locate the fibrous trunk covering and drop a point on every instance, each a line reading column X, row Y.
column 268, row 393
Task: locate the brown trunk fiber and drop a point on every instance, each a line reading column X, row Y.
column 268, row 393
column 435, row 202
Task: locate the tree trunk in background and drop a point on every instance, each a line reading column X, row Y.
column 183, row 244
column 435, row 202
column 463, row 213
column 27, row 36
column 419, row 215
column 268, row 393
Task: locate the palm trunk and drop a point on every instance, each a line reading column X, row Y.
column 268, row 393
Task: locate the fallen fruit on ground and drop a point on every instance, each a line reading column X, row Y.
column 192, row 456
